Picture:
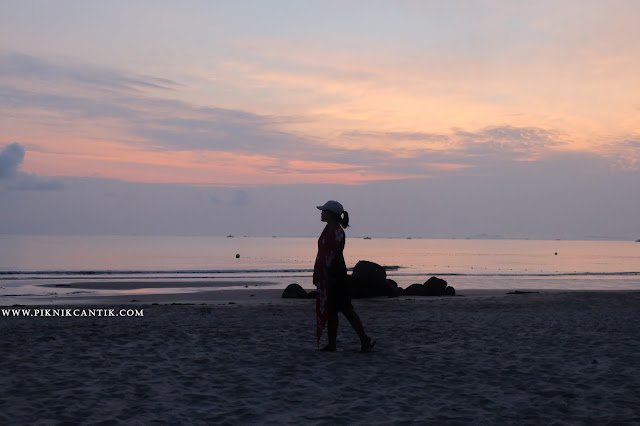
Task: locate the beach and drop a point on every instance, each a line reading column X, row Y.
column 250, row 357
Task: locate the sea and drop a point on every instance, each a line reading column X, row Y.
column 44, row 265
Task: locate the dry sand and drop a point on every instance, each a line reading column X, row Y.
column 483, row 358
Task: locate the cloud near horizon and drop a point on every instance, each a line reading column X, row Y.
column 11, row 158
column 11, row 178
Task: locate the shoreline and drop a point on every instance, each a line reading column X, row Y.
column 251, row 293
column 213, row 290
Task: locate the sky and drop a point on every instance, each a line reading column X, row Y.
column 435, row 119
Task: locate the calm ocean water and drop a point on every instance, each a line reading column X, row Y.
column 27, row 262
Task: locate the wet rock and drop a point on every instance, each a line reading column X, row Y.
column 414, row 290
column 435, row 286
column 391, row 289
column 294, row 291
column 368, row 280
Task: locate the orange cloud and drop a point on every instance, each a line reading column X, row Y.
column 584, row 92
column 220, row 168
column 447, row 167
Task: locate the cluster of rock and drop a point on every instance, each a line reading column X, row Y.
column 295, row 291
column 369, row 279
column 434, row 286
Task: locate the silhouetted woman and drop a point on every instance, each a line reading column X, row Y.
column 330, row 278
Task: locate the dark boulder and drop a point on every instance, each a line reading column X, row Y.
column 294, row 291
column 368, row 280
column 391, row 289
column 435, row 286
column 414, row 290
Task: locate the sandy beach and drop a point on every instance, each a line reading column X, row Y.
column 249, row 357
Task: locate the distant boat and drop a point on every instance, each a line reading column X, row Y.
column 367, row 238
column 637, row 241
column 229, row 236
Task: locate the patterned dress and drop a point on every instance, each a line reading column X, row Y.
column 330, row 264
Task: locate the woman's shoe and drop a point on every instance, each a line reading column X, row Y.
column 328, row 348
column 368, row 346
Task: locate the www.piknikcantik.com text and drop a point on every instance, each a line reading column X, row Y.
column 71, row 312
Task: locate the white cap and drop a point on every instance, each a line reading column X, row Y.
column 332, row 206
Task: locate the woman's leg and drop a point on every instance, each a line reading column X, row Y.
column 356, row 323
column 332, row 329
column 366, row 344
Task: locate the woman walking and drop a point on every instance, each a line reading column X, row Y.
column 330, row 278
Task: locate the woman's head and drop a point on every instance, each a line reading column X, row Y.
column 333, row 212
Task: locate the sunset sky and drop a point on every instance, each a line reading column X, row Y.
column 424, row 118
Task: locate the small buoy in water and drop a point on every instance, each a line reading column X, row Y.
column 556, row 253
column 238, row 256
